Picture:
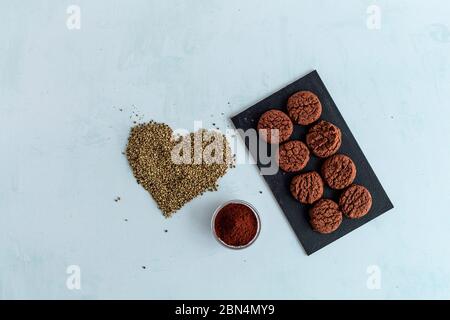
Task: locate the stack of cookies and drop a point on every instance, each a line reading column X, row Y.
column 323, row 140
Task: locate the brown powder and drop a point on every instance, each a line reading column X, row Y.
column 236, row 224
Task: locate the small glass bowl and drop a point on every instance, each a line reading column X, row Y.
column 258, row 221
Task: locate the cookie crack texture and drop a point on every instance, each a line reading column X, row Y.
column 278, row 120
column 325, row 216
column 304, row 107
column 307, row 187
column 293, row 156
column 324, row 139
column 356, row 201
column 339, row 171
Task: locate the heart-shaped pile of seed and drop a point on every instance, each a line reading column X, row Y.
column 171, row 169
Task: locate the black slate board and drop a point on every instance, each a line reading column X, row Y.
column 297, row 213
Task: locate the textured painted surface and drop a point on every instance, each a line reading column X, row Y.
column 62, row 133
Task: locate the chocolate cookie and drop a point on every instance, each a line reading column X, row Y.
column 304, row 107
column 356, row 201
column 324, row 139
column 307, row 187
column 293, row 156
column 338, row 171
column 325, row 216
column 275, row 119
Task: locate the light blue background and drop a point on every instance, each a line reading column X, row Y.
column 62, row 134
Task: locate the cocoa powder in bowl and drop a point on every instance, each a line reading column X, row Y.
column 236, row 224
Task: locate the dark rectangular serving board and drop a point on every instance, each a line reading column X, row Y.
column 297, row 213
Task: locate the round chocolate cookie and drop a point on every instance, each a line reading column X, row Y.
column 304, row 107
column 338, row 171
column 324, row 139
column 307, row 187
column 356, row 201
column 293, row 156
column 275, row 119
column 325, row 216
